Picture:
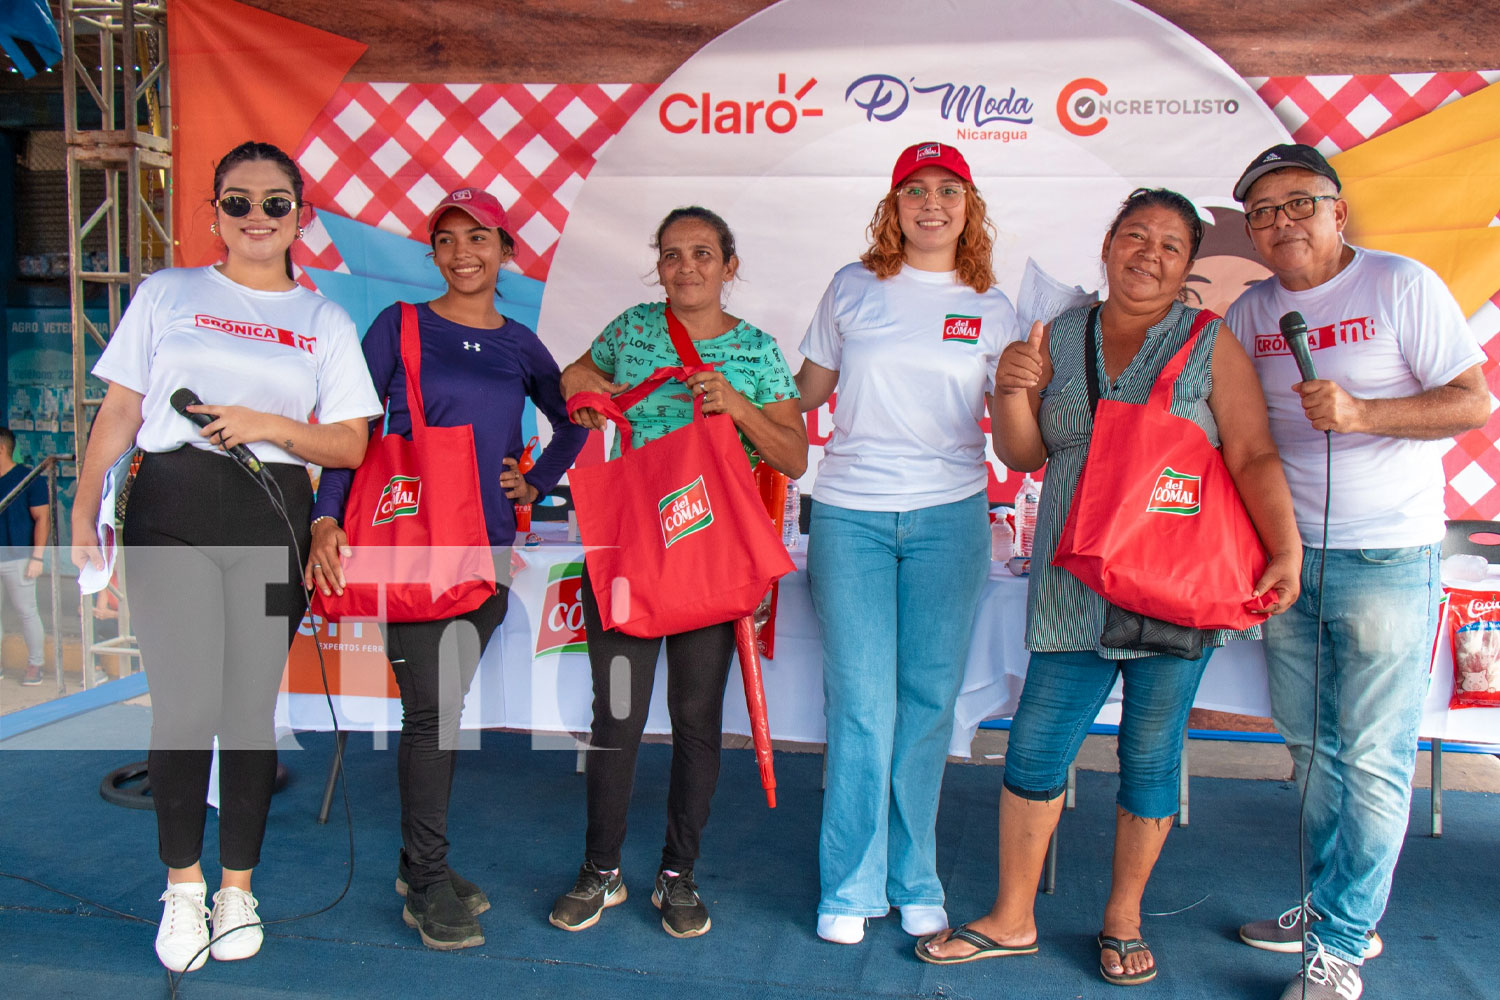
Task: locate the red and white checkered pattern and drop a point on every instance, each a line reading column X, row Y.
column 386, row 153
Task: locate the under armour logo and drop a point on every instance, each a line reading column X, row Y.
column 469, row 346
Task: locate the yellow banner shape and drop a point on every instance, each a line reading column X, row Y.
column 1467, row 259
column 1458, row 190
column 1465, row 122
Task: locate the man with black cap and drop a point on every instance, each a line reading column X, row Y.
column 1396, row 374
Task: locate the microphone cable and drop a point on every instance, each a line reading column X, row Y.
column 1302, row 900
column 267, row 484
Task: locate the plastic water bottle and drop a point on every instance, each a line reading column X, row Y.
column 1028, row 497
column 791, row 524
column 1002, row 534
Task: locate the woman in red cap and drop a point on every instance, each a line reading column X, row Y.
column 900, row 546
column 478, row 368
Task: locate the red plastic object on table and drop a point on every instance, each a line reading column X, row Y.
column 524, row 465
column 755, row 703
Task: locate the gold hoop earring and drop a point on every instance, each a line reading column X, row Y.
column 213, row 227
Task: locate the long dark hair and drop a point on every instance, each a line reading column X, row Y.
column 248, row 152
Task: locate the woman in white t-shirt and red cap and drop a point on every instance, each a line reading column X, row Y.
column 214, row 582
column 899, row 547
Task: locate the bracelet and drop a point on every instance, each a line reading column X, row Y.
column 322, row 517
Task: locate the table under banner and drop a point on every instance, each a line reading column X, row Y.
column 535, row 675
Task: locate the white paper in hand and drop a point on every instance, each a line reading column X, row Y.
column 1043, row 297
column 91, row 580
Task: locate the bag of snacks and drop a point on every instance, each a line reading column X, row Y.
column 1475, row 618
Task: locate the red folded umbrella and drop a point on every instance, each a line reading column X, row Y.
column 755, row 703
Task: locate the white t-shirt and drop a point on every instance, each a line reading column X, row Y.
column 1383, row 327
column 291, row 353
column 916, row 356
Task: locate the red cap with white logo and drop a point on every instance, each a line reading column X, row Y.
column 929, row 154
column 483, row 207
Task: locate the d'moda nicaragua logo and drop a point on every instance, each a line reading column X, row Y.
column 684, row 512
column 1176, row 493
column 401, row 496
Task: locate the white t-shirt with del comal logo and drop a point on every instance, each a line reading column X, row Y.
column 1384, row 327
column 916, row 356
column 292, row 353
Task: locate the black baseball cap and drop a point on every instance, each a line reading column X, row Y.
column 1294, row 154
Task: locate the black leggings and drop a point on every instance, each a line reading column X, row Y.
column 215, row 598
column 697, row 670
column 434, row 665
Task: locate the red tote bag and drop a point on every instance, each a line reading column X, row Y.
column 677, row 535
column 415, row 517
column 1157, row 526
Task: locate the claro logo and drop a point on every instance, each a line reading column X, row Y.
column 707, row 112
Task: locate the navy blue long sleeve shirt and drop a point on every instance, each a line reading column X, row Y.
column 476, row 377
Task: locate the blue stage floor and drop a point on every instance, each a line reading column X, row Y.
column 518, row 830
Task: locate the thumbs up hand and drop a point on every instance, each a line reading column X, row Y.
column 1020, row 365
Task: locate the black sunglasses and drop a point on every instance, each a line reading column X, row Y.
column 238, row 206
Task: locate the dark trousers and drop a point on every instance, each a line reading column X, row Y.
column 434, row 663
column 624, row 669
column 215, row 597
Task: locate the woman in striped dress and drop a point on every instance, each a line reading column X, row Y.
column 1042, row 414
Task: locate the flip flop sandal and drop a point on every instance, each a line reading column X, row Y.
column 1123, row 948
column 987, row 948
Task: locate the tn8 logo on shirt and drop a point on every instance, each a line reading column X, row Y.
column 964, row 329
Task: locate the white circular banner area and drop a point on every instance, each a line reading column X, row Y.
column 788, row 126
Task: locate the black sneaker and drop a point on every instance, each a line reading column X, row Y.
column 1325, row 977
column 683, row 914
column 1284, row 933
column 444, row 922
column 579, row 908
column 467, row 892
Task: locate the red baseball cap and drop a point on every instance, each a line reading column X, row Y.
column 483, row 207
column 929, row 154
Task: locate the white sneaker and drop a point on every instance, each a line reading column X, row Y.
column 182, row 937
column 1324, row 977
column 841, row 929
column 920, row 921
column 235, row 908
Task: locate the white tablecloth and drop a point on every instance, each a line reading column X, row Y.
column 552, row 692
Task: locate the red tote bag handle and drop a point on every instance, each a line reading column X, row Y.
column 411, row 360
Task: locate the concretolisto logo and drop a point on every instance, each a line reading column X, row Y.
column 709, row 112
column 1085, row 104
column 400, row 498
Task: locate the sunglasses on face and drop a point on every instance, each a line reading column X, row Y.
column 238, row 206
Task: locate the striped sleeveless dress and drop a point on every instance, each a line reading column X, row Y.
column 1062, row 615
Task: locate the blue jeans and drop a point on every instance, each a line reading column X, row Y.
column 895, row 594
column 1063, row 694
column 1379, row 617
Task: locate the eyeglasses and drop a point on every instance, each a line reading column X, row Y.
column 238, row 206
column 948, row 195
column 1296, row 210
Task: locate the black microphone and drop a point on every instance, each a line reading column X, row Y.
column 183, row 398
column 1294, row 332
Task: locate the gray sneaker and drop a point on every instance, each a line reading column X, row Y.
column 1284, row 933
column 594, row 892
column 1324, row 977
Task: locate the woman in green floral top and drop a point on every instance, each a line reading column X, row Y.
column 753, row 385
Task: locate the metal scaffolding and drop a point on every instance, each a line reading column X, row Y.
column 115, row 72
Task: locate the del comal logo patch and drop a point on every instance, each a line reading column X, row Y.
column 964, row 329
column 684, row 512
column 1176, row 493
column 401, row 496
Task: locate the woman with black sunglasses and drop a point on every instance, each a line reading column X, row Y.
column 214, row 581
